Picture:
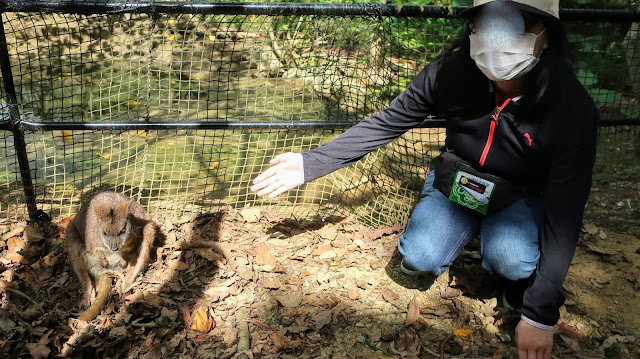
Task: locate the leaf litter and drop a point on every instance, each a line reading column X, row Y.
column 249, row 284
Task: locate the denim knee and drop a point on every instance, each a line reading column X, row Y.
column 508, row 262
column 422, row 259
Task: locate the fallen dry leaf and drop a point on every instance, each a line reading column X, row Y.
column 12, row 233
column 375, row 333
column 413, row 313
column 320, row 250
column 408, row 347
column 572, row 343
column 169, row 313
column 251, row 214
column 38, row 351
column 263, row 257
column 64, row 223
column 290, row 298
column 449, row 292
column 274, row 283
column 200, row 319
column 14, row 246
column 322, row 318
column 389, row 295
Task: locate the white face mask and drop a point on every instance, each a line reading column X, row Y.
column 507, row 63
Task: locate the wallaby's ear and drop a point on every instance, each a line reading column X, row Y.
column 102, row 210
column 122, row 209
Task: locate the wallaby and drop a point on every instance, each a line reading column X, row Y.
column 111, row 232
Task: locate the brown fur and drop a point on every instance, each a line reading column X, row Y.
column 110, row 233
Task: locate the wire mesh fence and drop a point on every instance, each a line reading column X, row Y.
column 180, row 105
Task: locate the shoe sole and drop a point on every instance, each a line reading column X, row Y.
column 411, row 272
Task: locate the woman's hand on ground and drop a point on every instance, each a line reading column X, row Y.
column 286, row 172
column 533, row 343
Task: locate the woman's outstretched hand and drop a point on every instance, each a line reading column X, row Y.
column 286, row 172
column 533, row 343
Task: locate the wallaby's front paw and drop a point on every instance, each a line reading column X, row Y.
column 87, row 298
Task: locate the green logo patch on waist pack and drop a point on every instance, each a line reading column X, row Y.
column 471, row 191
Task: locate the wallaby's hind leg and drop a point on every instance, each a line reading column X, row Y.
column 148, row 237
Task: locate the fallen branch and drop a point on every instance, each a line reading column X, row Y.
column 389, row 312
column 244, row 337
column 7, row 287
column 442, row 344
column 81, row 332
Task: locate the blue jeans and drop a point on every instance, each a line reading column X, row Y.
column 438, row 230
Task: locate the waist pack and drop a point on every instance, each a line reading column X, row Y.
column 471, row 188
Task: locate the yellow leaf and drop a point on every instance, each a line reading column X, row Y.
column 142, row 132
column 216, row 164
column 133, row 103
column 172, row 37
column 463, row 332
column 67, row 136
column 66, row 74
column 174, row 82
column 165, row 147
column 201, row 321
column 212, row 37
column 197, row 78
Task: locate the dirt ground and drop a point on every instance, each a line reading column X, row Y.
column 249, row 284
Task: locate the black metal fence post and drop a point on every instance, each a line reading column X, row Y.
column 14, row 125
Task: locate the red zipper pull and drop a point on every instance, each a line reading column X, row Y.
column 494, row 122
column 496, row 114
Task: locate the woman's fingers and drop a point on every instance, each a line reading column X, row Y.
column 264, row 175
column 279, row 158
column 278, row 191
column 263, row 182
column 274, row 186
column 286, row 172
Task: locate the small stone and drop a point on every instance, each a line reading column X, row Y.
column 361, row 338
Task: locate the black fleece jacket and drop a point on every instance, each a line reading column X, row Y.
column 549, row 146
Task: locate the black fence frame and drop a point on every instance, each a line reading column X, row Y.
column 18, row 127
